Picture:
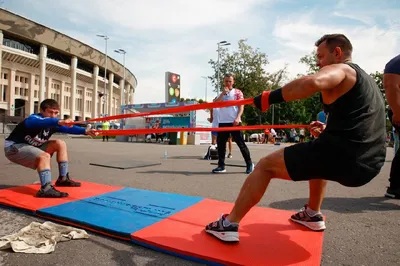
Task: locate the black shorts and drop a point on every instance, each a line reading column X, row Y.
column 321, row 160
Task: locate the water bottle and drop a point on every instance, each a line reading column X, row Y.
column 165, row 155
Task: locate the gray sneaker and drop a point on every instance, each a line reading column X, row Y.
column 393, row 193
column 48, row 191
column 315, row 223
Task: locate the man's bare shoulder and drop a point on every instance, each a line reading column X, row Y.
column 391, row 80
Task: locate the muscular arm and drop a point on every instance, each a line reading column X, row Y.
column 391, row 84
column 327, row 78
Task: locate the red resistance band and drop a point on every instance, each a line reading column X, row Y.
column 179, row 109
column 122, row 132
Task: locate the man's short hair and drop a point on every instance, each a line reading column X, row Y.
column 336, row 40
column 49, row 103
column 229, row 75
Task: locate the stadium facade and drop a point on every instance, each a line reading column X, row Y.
column 37, row 63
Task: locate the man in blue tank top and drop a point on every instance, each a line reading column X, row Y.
column 391, row 83
column 321, row 116
column 349, row 149
column 29, row 145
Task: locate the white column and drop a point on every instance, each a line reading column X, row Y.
column 49, row 89
column 121, row 95
column 1, row 60
column 84, row 103
column 42, row 78
column 31, row 99
column 11, row 93
column 74, row 63
column 110, row 93
column 131, row 98
column 95, row 97
column 62, row 100
column 128, row 93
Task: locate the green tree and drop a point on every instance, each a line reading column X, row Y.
column 310, row 61
column 305, row 110
column 378, row 77
column 248, row 65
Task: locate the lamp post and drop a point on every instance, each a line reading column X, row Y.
column 221, row 43
column 206, row 87
column 105, row 37
column 123, row 52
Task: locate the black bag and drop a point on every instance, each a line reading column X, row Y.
column 212, row 154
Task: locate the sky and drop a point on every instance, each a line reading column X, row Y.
column 181, row 36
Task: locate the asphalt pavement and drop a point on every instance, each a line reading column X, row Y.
column 362, row 225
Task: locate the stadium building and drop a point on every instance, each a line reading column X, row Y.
column 37, row 63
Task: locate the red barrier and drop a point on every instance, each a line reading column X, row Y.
column 123, row 132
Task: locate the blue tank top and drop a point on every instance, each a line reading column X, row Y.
column 322, row 117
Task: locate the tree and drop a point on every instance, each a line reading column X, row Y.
column 310, row 60
column 305, row 110
column 248, row 67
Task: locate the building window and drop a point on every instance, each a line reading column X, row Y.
column 4, row 94
column 16, row 91
column 5, row 76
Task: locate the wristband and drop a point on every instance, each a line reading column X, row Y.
column 276, row 96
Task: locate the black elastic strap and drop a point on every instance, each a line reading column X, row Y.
column 276, row 96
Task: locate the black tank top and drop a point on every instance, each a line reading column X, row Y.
column 357, row 122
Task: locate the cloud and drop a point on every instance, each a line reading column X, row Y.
column 180, row 36
column 172, row 16
column 372, row 46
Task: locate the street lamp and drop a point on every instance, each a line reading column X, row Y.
column 105, row 37
column 221, row 43
column 123, row 52
column 206, row 78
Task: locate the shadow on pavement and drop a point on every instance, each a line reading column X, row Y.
column 188, row 173
column 342, row 205
column 127, row 257
column 6, row 186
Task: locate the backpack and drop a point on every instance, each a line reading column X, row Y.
column 212, row 153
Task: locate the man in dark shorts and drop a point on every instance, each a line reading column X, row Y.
column 29, row 145
column 350, row 150
column 391, row 83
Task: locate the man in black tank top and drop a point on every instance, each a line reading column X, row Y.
column 350, row 149
column 391, row 83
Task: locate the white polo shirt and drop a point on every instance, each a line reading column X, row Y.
column 229, row 114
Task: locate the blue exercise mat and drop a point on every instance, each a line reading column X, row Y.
column 121, row 212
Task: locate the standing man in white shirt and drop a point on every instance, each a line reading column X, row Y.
column 229, row 117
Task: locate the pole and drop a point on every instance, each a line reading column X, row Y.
column 218, row 72
column 206, row 79
column 273, row 109
column 105, row 77
column 206, row 89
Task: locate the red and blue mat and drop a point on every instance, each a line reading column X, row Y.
column 174, row 224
